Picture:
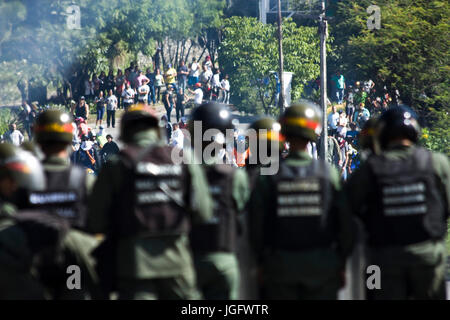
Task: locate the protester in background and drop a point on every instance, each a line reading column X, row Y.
column 100, row 101
column 143, row 92
column 151, row 84
column 180, row 104
column 333, row 119
column 198, row 94
column 339, row 85
column 111, row 109
column 216, row 85
column 194, row 72
column 82, row 109
column 110, row 148
column 183, row 72
column 225, row 84
column 177, row 139
column 128, row 96
column 159, row 82
column 110, row 81
column 171, row 75
column 169, row 100
column 14, row 136
column 120, row 85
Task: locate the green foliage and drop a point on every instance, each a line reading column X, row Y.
column 409, row 53
column 249, row 52
column 437, row 137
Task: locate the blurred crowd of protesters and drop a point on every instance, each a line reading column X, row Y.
column 169, row 86
column 352, row 107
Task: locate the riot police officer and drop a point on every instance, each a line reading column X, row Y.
column 67, row 186
column 402, row 197
column 214, row 242
column 143, row 202
column 298, row 228
column 36, row 246
column 268, row 140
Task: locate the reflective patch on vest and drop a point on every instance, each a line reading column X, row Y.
column 403, row 200
column 52, row 198
column 148, row 168
column 66, row 212
column 410, row 188
column 155, row 197
column 299, row 211
column 403, row 211
column 150, row 184
column 306, row 186
column 299, row 199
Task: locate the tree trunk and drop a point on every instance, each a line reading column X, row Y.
column 189, row 51
column 162, row 55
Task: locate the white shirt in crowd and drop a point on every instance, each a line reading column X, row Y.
column 143, row 92
column 225, row 84
column 216, row 80
column 15, row 137
column 111, row 102
column 206, row 76
column 177, row 138
column 128, row 95
column 88, row 88
column 198, row 98
column 195, row 72
column 312, row 149
column 333, row 119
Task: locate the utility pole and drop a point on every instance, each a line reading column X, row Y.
column 280, row 52
column 323, row 30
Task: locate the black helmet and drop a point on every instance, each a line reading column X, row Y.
column 302, row 119
column 137, row 118
column 212, row 115
column 367, row 135
column 272, row 128
column 398, row 122
column 53, row 126
column 24, row 168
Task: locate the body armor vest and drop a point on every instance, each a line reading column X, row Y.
column 219, row 234
column 406, row 207
column 65, row 195
column 300, row 219
column 155, row 193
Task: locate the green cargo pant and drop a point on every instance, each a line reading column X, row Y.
column 410, row 272
column 182, row 287
column 304, row 275
column 218, row 275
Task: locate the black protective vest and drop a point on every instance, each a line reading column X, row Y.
column 219, row 234
column 155, row 195
column 65, row 195
column 299, row 218
column 406, row 207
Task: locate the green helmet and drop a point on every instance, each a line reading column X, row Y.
column 302, row 119
column 137, row 118
column 22, row 166
column 272, row 130
column 53, row 126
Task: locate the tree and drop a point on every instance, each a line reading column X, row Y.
column 249, row 52
column 409, row 53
